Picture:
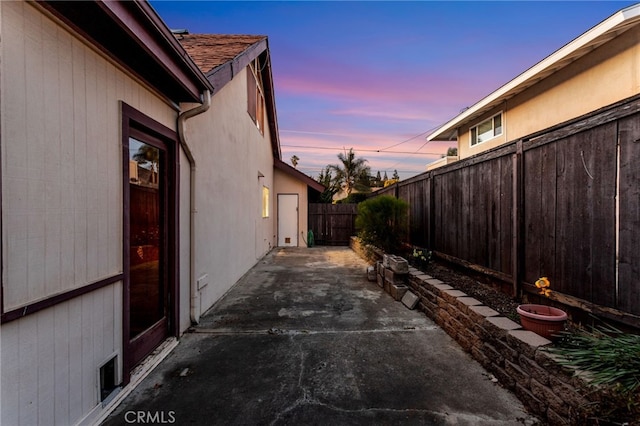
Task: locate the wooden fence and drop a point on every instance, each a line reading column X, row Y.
column 332, row 224
column 563, row 203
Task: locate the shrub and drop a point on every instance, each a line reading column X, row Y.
column 610, row 357
column 382, row 221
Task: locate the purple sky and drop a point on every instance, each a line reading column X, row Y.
column 375, row 75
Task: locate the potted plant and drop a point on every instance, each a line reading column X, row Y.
column 544, row 320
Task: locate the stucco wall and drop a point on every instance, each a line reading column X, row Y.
column 62, row 214
column 230, row 152
column 286, row 184
column 604, row 76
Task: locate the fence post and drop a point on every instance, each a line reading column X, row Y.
column 517, row 217
column 430, row 204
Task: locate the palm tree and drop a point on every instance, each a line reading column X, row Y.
column 350, row 170
column 294, row 160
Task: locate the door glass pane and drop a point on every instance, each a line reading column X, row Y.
column 146, row 236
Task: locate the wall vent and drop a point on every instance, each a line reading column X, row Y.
column 108, row 379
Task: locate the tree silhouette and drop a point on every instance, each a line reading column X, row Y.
column 326, row 179
column 378, row 181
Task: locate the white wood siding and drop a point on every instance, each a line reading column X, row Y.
column 62, row 213
column 61, row 171
column 50, row 359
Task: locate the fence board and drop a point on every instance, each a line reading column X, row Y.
column 420, row 214
column 585, row 215
column 332, row 224
column 507, row 212
column 557, row 218
column 539, row 212
column 628, row 298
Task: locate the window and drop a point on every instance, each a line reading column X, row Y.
column 265, row 201
column 486, row 130
column 255, row 96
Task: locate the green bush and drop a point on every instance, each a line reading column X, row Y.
column 382, row 222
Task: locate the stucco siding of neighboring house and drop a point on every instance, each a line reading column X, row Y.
column 230, row 153
column 62, row 226
column 604, row 76
column 286, row 184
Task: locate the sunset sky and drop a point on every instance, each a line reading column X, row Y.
column 378, row 76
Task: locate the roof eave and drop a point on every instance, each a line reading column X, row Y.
column 593, row 38
column 134, row 36
column 224, row 73
column 297, row 174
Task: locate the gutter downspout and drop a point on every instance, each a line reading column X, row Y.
column 182, row 118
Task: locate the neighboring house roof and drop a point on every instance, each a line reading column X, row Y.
column 221, row 56
column 297, row 174
column 133, row 35
column 595, row 37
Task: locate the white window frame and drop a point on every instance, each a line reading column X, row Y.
column 495, row 131
column 257, row 115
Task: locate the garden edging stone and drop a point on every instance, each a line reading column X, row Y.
column 559, row 403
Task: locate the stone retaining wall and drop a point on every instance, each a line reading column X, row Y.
column 504, row 348
column 513, row 355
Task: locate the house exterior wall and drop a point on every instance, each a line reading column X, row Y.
column 230, row 152
column 185, row 243
column 286, row 184
column 62, row 206
column 604, row 76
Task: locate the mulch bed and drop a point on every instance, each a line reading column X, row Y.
column 484, row 292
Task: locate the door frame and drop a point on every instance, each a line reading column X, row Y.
column 134, row 121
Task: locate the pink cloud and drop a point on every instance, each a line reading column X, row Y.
column 359, row 83
column 405, row 114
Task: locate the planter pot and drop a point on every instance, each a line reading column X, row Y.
column 544, row 320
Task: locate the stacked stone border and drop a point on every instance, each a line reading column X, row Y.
column 516, row 357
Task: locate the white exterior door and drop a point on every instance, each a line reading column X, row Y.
column 287, row 220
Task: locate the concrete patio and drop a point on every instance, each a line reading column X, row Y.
column 303, row 338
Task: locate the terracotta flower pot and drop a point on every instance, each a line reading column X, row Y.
column 544, row 320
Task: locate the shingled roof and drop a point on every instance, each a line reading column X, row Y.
column 209, row 51
column 221, row 57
